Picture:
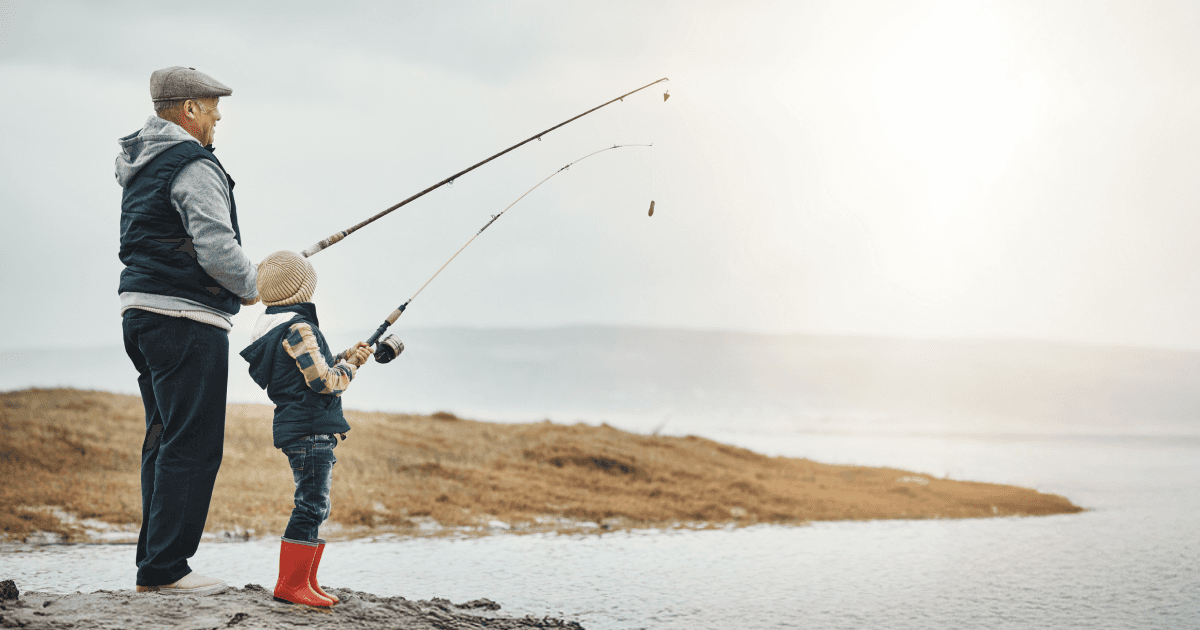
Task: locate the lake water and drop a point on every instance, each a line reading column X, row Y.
column 1131, row 560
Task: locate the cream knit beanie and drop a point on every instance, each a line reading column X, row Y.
column 286, row 278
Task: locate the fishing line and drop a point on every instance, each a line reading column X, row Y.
column 391, row 347
column 652, row 162
column 320, row 245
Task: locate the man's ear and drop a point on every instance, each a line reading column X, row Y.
column 187, row 108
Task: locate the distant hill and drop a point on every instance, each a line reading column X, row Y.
column 640, row 378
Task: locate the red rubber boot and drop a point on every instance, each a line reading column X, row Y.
column 295, row 564
column 312, row 575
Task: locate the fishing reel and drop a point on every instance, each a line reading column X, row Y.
column 389, row 348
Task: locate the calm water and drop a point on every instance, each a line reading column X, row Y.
column 1121, row 439
column 1132, row 560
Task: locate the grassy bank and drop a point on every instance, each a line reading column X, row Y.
column 77, row 452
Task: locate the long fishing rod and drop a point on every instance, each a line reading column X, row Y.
column 391, row 347
column 344, row 233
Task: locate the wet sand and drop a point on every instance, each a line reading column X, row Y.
column 251, row 607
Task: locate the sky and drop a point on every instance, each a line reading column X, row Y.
column 920, row 169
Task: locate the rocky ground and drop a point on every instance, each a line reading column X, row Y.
column 249, row 607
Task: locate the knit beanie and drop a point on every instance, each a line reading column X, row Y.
column 286, row 278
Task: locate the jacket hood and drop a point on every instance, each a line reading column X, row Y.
column 263, row 344
column 145, row 144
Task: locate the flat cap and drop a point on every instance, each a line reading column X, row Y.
column 178, row 83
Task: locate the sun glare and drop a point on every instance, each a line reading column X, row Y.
column 952, row 101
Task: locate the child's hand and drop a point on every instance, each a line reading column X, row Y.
column 359, row 354
column 350, row 355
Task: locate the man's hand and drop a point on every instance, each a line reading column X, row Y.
column 250, row 301
column 358, row 354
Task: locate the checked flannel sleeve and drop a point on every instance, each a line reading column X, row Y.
column 301, row 344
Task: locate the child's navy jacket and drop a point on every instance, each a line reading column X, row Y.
column 290, row 359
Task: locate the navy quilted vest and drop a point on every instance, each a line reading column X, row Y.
column 156, row 250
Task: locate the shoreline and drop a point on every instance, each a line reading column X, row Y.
column 73, row 476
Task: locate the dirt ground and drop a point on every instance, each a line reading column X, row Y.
column 252, row 607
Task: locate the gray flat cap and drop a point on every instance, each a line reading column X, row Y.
column 178, row 83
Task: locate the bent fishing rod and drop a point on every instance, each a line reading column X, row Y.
column 344, row 233
column 391, row 347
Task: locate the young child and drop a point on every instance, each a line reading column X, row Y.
column 289, row 358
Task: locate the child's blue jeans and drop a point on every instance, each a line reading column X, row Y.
column 312, row 460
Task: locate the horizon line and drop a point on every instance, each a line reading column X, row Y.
column 718, row 331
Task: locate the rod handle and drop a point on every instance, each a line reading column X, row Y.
column 391, row 319
column 324, row 243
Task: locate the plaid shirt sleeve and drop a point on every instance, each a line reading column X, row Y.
column 301, row 344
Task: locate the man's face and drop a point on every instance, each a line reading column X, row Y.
column 203, row 113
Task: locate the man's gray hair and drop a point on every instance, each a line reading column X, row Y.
column 162, row 106
column 165, row 106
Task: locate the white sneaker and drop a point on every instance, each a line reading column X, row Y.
column 190, row 584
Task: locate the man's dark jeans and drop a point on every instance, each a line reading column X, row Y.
column 312, row 460
column 183, row 371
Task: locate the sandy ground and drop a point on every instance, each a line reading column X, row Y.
column 249, row 607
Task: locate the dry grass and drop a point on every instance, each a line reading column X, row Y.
column 78, row 451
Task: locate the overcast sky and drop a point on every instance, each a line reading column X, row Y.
column 932, row 169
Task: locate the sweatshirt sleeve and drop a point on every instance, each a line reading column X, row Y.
column 301, row 344
column 200, row 194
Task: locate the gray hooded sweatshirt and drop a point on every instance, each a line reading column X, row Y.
column 200, row 194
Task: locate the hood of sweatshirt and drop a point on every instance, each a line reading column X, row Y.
column 263, row 345
column 145, row 144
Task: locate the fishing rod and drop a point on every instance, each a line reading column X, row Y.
column 344, row 233
column 391, row 347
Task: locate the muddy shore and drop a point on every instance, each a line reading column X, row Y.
column 252, row 607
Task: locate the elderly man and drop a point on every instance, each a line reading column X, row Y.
column 185, row 276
